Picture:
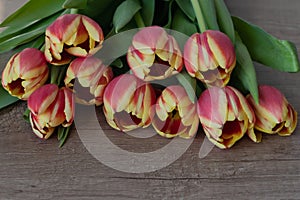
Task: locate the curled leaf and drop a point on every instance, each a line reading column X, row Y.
column 124, row 13
column 266, row 49
column 181, row 23
column 5, row 98
column 187, row 8
column 224, row 19
column 78, row 4
column 245, row 71
column 147, row 11
column 209, row 14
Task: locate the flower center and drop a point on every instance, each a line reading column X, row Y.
column 125, row 119
column 231, row 132
column 82, row 92
column 278, row 127
column 159, row 67
column 16, row 87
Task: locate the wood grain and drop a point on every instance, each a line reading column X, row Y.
column 34, row 169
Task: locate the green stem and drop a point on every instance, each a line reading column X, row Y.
column 58, row 74
column 26, row 114
column 63, row 133
column 43, row 47
column 54, row 74
column 139, row 20
column 199, row 15
column 73, row 11
column 111, row 33
column 62, row 75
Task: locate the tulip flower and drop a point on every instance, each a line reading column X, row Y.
column 25, row 72
column 154, row 55
column 92, row 76
column 128, row 103
column 50, row 107
column 72, row 35
column 225, row 116
column 176, row 114
column 210, row 57
column 273, row 113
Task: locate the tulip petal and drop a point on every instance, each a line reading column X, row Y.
column 212, row 107
column 273, row 113
column 69, row 107
column 154, row 55
column 42, row 98
column 154, row 37
column 122, row 89
column 43, row 133
column 93, row 29
column 291, row 122
column 272, row 104
column 172, row 118
column 218, row 43
column 77, row 51
column 72, row 34
column 206, row 59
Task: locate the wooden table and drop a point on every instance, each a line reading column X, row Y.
column 34, row 169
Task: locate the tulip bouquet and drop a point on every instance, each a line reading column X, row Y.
column 207, row 81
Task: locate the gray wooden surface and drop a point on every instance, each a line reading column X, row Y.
column 34, row 169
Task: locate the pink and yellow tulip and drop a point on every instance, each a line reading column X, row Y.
column 210, row 57
column 273, row 113
column 25, row 72
column 92, row 76
column 128, row 103
column 50, row 107
column 226, row 116
column 154, row 54
column 176, row 114
column 72, row 35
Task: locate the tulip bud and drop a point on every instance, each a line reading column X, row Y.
column 50, row 107
column 176, row 115
column 92, row 77
column 225, row 116
column 25, row 72
column 128, row 103
column 273, row 113
column 154, row 55
column 210, row 57
column 72, row 35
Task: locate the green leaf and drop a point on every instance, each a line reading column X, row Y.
column 117, row 63
column 36, row 43
column 124, row 13
column 26, row 35
column 147, row 11
column 245, row 71
column 5, row 98
column 26, row 115
column 224, row 19
column 20, row 39
column 78, row 4
column 102, row 13
column 62, row 134
column 266, row 49
column 94, row 9
column 181, row 23
column 209, row 14
column 169, row 22
column 13, row 31
column 33, row 11
column 187, row 8
column 189, row 83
